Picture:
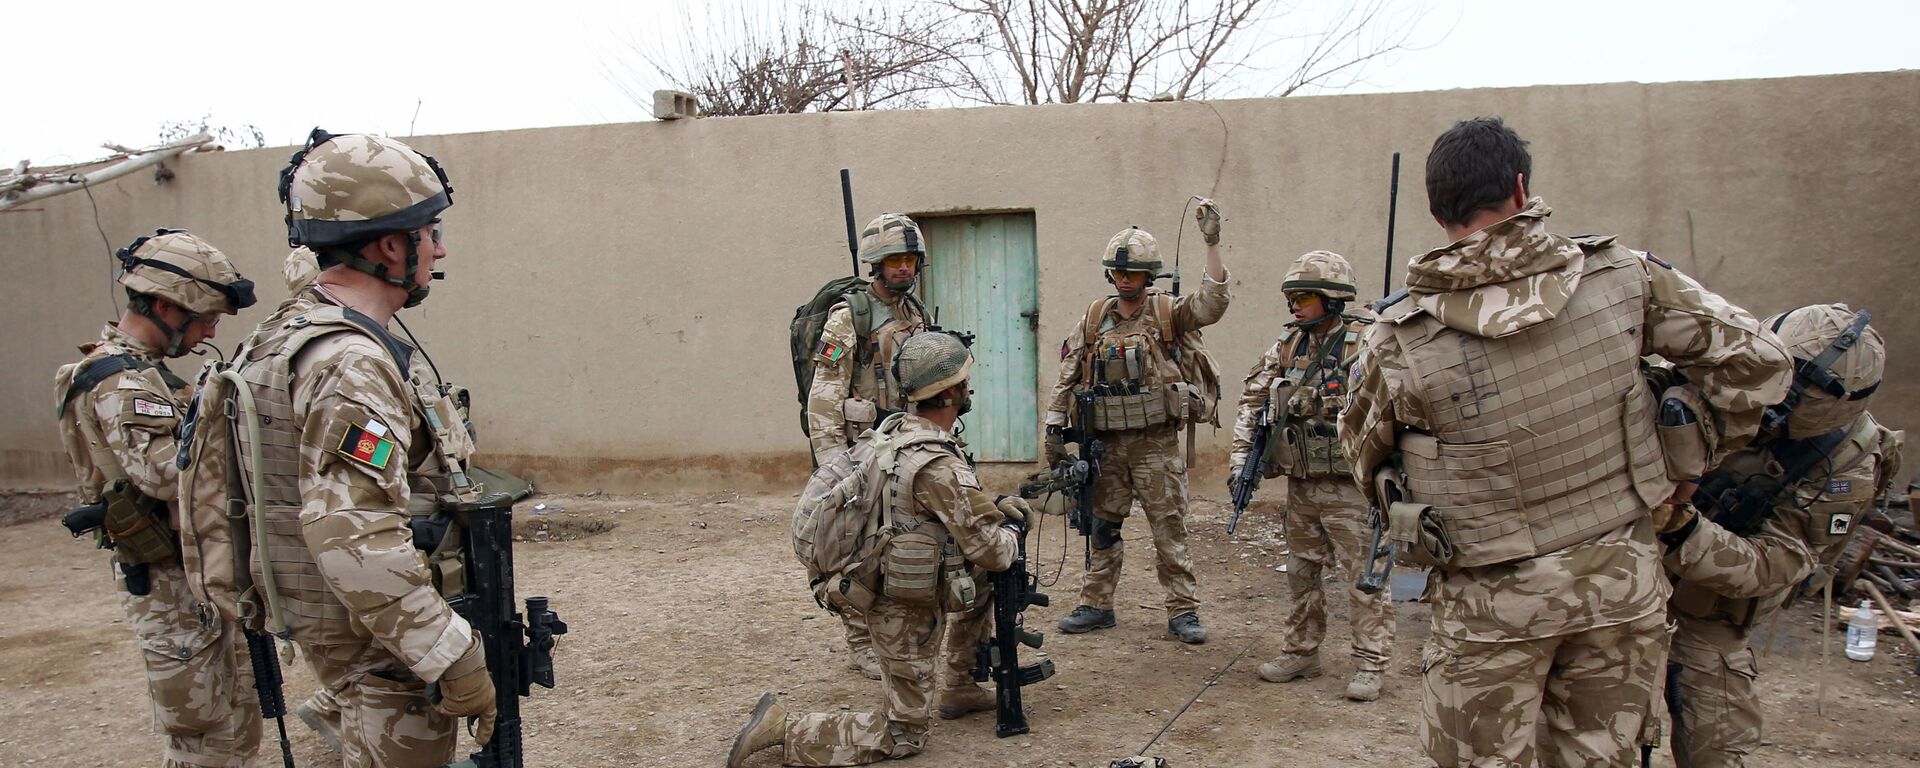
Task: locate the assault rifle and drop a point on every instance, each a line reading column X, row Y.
column 1247, row 479
column 519, row 649
column 998, row 658
column 1075, row 475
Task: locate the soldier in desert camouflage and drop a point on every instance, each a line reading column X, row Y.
column 1127, row 350
column 1506, row 386
column 853, row 389
column 356, row 438
column 119, row 409
column 1814, row 471
column 943, row 496
column 1301, row 381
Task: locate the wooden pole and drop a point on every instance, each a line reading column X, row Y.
column 109, row 173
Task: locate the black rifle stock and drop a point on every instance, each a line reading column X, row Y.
column 519, row 648
column 1075, row 475
column 1379, row 566
column 998, row 658
column 1247, row 479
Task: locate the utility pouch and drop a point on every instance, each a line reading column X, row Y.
column 860, row 415
column 137, row 525
column 1114, row 413
column 1417, row 535
column 1287, row 455
column 844, row 594
column 1686, row 438
column 1474, row 488
column 1320, row 455
column 910, row 570
column 961, row 594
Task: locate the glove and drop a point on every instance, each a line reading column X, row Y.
column 1233, row 477
column 1208, row 216
column 1668, row 518
column 1056, row 446
column 1015, row 508
column 467, row 691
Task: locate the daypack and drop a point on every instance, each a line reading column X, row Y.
column 1197, row 366
column 844, row 522
column 811, row 317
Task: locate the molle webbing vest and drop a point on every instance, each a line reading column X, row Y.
column 1318, row 375
column 879, row 337
column 1129, row 364
column 1541, row 439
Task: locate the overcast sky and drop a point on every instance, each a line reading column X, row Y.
column 82, row 73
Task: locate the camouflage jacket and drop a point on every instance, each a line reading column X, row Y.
column 1724, row 577
column 1191, row 312
column 843, row 401
column 1502, row 280
column 949, row 491
column 137, row 410
column 1286, row 355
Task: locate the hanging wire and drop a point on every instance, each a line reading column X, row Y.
column 113, row 307
column 423, row 353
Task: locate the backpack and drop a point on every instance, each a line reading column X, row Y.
column 808, row 320
column 1197, row 366
column 843, row 522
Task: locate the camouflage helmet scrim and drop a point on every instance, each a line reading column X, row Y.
column 888, row 234
column 930, row 362
column 346, row 189
column 1132, row 250
column 1828, row 397
column 1322, row 272
column 186, row 270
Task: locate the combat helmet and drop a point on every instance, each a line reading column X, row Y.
column 929, row 363
column 1837, row 364
column 342, row 191
column 1322, row 272
column 174, row 265
column 1133, row 250
column 889, row 234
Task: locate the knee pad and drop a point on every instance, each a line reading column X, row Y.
column 1106, row 533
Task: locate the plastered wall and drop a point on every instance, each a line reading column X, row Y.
column 618, row 295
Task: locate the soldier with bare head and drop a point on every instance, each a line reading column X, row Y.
column 914, row 575
column 1300, row 383
column 853, row 388
column 1773, row 515
column 119, row 409
column 356, row 438
column 1504, row 395
column 1139, row 356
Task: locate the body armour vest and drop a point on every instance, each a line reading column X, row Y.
column 1306, row 398
column 873, row 370
column 1129, row 364
column 1541, row 439
column 435, row 466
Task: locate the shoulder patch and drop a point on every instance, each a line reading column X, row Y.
column 829, row 351
column 1839, row 524
column 145, row 407
column 367, row 444
column 1838, row 486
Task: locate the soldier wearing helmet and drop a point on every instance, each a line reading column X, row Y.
column 1502, row 395
column 853, row 388
column 358, row 436
column 944, row 501
column 1299, row 386
column 1767, row 518
column 118, row 410
column 1138, row 356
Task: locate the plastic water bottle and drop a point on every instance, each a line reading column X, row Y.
column 1863, row 633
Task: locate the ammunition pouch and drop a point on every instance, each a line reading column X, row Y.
column 962, row 593
column 1474, row 491
column 1417, row 535
column 137, row 525
column 1687, row 447
column 860, row 415
column 910, row 569
column 843, row 594
column 1313, row 447
column 1186, row 403
column 1116, row 413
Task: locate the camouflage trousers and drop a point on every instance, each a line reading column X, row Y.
column 858, row 636
column 1327, row 523
column 905, row 639
column 1143, row 465
column 198, row 673
column 1569, row 700
column 1719, row 722
column 384, row 717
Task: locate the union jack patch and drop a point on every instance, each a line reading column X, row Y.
column 829, row 351
column 1840, row 486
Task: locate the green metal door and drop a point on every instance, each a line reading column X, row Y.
column 980, row 278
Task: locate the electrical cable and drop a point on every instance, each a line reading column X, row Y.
column 113, row 308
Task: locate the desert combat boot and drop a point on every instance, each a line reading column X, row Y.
column 965, row 699
column 766, row 728
column 864, row 662
column 1086, row 618
column 1365, row 686
column 1187, row 627
column 1289, row 666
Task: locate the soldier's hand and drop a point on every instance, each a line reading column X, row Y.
column 1056, row 446
column 1208, row 216
column 1233, row 478
column 1683, row 493
column 467, row 691
column 1015, row 508
column 1668, row 518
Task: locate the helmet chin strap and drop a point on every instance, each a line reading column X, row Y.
column 176, row 337
column 416, row 293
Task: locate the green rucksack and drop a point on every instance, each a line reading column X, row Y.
column 811, row 317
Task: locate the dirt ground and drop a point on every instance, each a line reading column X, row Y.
column 686, row 608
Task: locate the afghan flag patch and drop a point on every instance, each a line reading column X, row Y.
column 830, row 351
column 368, row 445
